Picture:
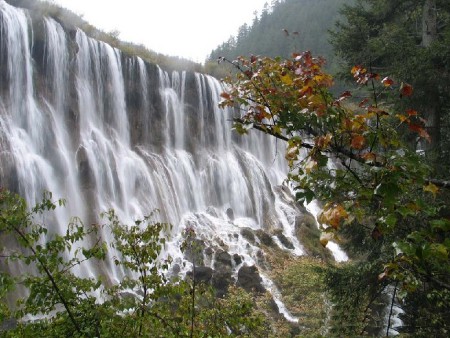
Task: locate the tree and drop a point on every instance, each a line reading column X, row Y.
column 376, row 190
column 144, row 302
column 408, row 39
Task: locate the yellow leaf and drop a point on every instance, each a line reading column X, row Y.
column 276, row 129
column 323, row 141
column 332, row 215
column 310, row 166
column 292, row 153
column 286, row 79
column 325, row 237
column 431, row 188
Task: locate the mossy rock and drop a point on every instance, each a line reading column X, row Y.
column 309, row 235
column 264, row 238
column 248, row 234
column 283, row 239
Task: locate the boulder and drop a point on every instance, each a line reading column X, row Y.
column 249, row 279
column 221, row 281
column 202, row 274
column 264, row 237
column 284, row 240
column 223, row 261
column 248, row 234
column 230, row 214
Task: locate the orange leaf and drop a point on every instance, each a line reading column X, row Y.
column 358, row 141
column 363, row 102
column 325, row 237
column 387, row 82
column 310, row 166
column 226, row 96
column 369, row 157
column 306, row 90
column 333, row 215
column 358, row 70
column 402, row 118
column 378, row 111
column 323, row 141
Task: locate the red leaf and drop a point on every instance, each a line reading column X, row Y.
column 363, row 102
column 421, row 131
column 405, row 89
column 249, row 73
column 226, row 96
column 412, row 112
column 343, row 96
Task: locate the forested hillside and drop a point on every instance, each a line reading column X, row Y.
column 283, row 27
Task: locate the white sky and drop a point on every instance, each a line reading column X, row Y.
column 186, row 28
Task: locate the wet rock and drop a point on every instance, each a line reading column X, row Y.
column 305, row 219
column 201, row 274
column 8, row 324
column 284, row 240
column 248, row 234
column 230, row 214
column 237, row 259
column 194, row 252
column 84, row 169
column 261, row 259
column 176, row 269
column 211, row 211
column 221, row 281
column 264, row 237
column 249, row 279
column 308, row 234
column 223, row 261
column 209, row 251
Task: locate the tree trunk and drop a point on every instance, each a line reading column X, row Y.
column 432, row 111
column 429, row 23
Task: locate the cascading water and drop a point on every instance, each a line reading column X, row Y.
column 102, row 130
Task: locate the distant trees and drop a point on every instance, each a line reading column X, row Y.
column 272, row 33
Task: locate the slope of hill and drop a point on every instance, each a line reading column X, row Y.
column 283, row 28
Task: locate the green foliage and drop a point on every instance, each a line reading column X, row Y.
column 376, row 190
column 408, row 42
column 143, row 302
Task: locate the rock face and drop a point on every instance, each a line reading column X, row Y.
column 249, row 279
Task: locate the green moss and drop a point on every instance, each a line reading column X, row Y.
column 309, row 235
column 301, row 281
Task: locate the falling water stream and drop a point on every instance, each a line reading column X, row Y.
column 103, row 130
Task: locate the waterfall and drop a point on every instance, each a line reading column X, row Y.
column 103, row 130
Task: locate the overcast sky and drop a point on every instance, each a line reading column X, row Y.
column 186, row 28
